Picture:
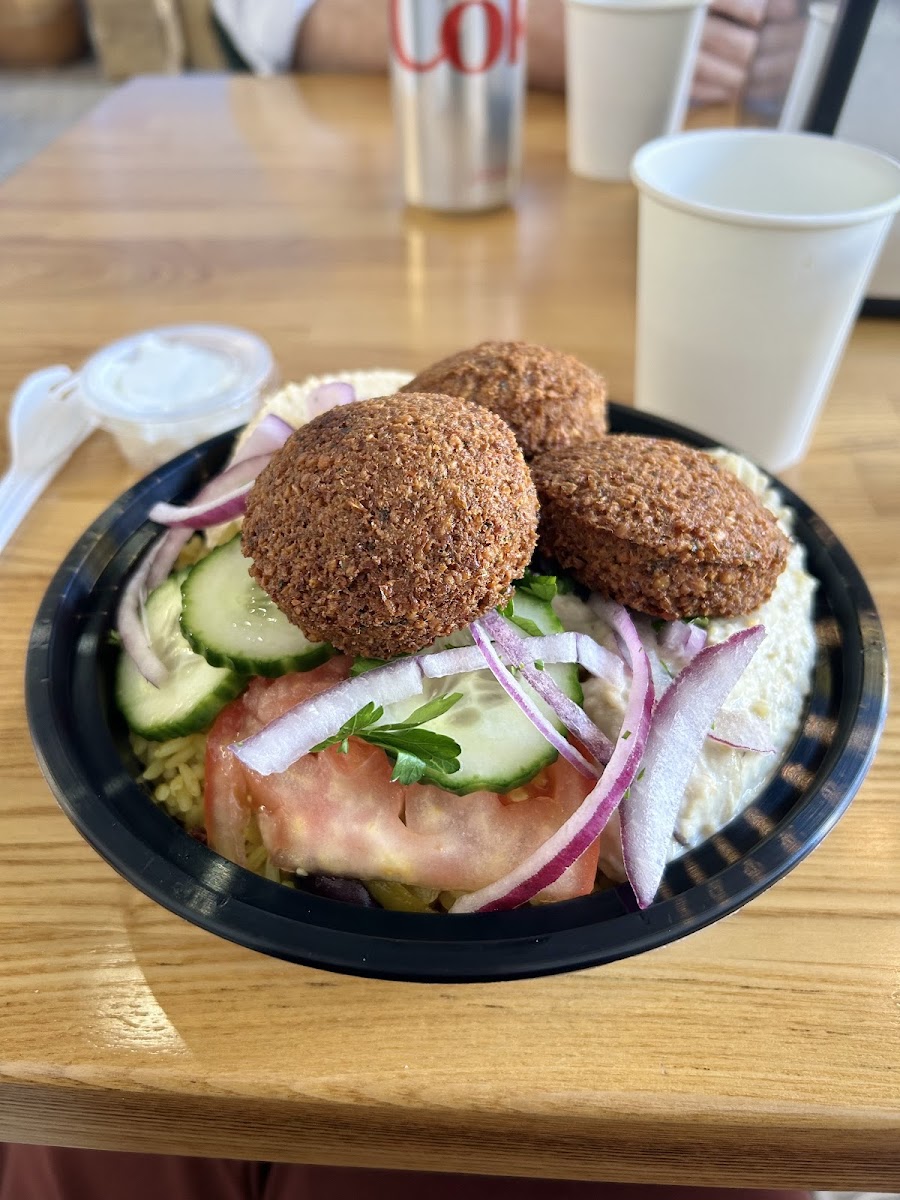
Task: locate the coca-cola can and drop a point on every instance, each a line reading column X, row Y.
column 458, row 71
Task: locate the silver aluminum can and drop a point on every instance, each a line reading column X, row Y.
column 458, row 73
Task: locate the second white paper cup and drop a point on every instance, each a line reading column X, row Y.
column 629, row 66
column 754, row 249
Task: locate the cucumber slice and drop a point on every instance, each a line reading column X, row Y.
column 194, row 692
column 500, row 748
column 229, row 619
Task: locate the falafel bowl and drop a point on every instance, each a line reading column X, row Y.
column 409, row 674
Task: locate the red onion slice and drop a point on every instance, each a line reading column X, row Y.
column 461, row 660
column 164, row 556
column 172, row 543
column 575, row 648
column 294, row 734
column 742, row 731
column 572, row 715
column 548, row 862
column 329, row 395
column 550, row 648
column 681, row 639
column 223, row 495
column 154, row 567
column 662, row 674
column 671, row 649
column 268, row 436
column 458, row 661
column 523, row 701
column 131, row 626
column 597, row 660
column 202, row 516
column 680, row 725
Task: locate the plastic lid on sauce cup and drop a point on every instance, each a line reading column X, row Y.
column 163, row 390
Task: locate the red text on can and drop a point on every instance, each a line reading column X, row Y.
column 449, row 49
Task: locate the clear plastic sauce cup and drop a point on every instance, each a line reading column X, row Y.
column 163, row 390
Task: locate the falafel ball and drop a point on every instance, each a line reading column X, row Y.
column 658, row 526
column 387, row 523
column 548, row 399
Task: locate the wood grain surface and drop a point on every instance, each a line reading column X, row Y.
column 764, row 1050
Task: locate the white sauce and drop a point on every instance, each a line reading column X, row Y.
column 165, row 375
column 774, row 686
column 163, row 390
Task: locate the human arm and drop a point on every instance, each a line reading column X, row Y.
column 730, row 38
column 353, row 36
column 744, row 39
column 343, row 36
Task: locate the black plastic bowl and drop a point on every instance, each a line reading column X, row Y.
column 82, row 747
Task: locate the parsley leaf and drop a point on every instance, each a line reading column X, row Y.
column 528, row 627
column 361, row 665
column 433, row 709
column 431, row 750
column 408, row 768
column 544, row 587
column 414, row 750
column 355, row 727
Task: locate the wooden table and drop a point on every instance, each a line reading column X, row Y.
column 762, row 1051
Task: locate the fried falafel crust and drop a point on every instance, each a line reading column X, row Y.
column 548, row 399
column 384, row 524
column 659, row 527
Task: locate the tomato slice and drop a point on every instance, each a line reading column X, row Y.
column 339, row 814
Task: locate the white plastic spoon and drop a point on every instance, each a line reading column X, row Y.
column 46, row 423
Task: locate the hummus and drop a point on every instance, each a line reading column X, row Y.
column 774, row 687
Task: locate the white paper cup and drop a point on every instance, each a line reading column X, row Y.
column 754, row 249
column 629, row 65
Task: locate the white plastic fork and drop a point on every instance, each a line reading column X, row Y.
column 46, row 423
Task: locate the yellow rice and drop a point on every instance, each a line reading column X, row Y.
column 173, row 773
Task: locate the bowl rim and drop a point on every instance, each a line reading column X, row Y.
column 78, row 752
column 644, row 169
